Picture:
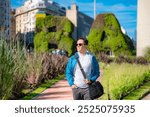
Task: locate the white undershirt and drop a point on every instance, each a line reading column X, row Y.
column 85, row 61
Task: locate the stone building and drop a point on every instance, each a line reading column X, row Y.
column 82, row 22
column 5, row 18
column 13, row 24
column 26, row 16
column 143, row 27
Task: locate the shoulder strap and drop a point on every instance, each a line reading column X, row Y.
column 82, row 70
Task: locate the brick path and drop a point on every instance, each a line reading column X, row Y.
column 60, row 91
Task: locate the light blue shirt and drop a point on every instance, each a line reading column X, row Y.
column 86, row 63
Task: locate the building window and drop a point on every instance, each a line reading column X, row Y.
column 40, row 4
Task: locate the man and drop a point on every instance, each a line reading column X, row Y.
column 80, row 85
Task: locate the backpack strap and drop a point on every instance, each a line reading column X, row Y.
column 82, row 70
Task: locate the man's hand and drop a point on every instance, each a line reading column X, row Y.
column 87, row 81
column 74, row 86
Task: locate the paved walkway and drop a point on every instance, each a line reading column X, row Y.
column 60, row 91
column 147, row 97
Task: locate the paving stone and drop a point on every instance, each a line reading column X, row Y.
column 60, row 91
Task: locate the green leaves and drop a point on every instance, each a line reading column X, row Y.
column 53, row 30
column 106, row 34
column 120, row 79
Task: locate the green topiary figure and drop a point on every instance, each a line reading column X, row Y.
column 53, row 32
column 67, row 44
column 106, row 36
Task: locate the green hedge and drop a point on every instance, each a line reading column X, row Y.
column 120, row 79
column 53, row 30
column 106, row 35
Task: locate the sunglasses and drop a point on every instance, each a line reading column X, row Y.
column 79, row 44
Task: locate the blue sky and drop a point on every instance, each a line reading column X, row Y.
column 124, row 10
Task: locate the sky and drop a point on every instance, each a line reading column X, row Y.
column 124, row 10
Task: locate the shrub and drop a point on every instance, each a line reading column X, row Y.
column 120, row 79
column 6, row 70
column 53, row 65
column 123, row 59
column 20, row 69
column 141, row 60
column 105, row 59
column 34, row 71
column 147, row 53
column 42, row 67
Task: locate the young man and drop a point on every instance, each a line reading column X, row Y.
column 76, row 80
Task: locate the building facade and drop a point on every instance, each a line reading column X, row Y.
column 5, row 18
column 13, row 24
column 143, row 27
column 82, row 22
column 26, row 16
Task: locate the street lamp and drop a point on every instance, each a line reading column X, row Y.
column 94, row 9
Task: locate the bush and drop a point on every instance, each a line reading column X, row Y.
column 123, row 59
column 53, row 65
column 120, row 79
column 12, row 69
column 141, row 60
column 105, row 59
column 42, row 67
column 20, row 70
column 34, row 69
column 6, row 70
column 147, row 54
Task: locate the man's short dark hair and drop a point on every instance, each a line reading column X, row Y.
column 84, row 39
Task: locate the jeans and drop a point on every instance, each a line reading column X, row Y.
column 81, row 93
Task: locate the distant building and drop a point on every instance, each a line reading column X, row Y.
column 123, row 30
column 26, row 16
column 82, row 22
column 5, row 18
column 13, row 24
column 143, row 26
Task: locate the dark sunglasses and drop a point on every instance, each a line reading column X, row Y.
column 79, row 44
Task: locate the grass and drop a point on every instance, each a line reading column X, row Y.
column 121, row 79
column 41, row 88
column 139, row 93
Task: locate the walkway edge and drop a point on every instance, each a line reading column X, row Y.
column 42, row 87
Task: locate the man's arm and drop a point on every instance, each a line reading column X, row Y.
column 95, row 69
column 69, row 72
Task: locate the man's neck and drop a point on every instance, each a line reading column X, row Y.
column 83, row 52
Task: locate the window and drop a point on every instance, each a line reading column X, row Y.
column 40, row 4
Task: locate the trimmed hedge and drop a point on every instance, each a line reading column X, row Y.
column 106, row 36
column 53, row 32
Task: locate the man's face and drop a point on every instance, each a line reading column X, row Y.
column 80, row 45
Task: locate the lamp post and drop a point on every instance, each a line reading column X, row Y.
column 94, row 9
